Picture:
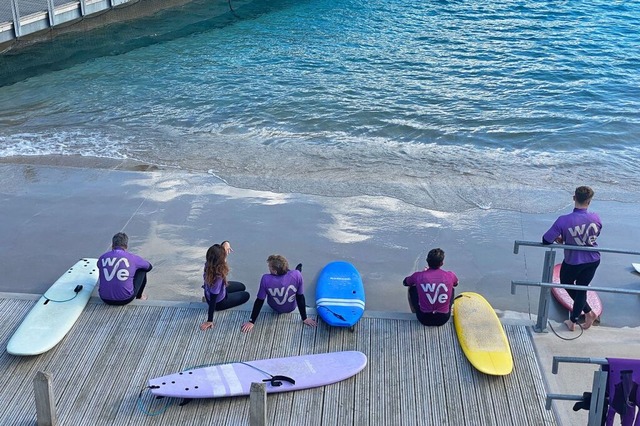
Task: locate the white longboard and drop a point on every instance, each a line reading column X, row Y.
column 636, row 266
column 57, row 310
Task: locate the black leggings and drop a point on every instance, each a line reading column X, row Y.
column 139, row 283
column 431, row 319
column 236, row 295
column 579, row 275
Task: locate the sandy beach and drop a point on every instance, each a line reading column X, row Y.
column 56, row 210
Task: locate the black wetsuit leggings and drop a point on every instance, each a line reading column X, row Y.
column 579, row 275
column 431, row 319
column 139, row 283
column 236, row 295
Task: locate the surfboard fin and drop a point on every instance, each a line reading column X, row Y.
column 299, row 267
column 185, row 402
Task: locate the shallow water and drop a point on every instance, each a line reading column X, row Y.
column 443, row 105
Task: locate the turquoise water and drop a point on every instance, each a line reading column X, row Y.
column 443, row 105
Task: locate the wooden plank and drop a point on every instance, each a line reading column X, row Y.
column 455, row 377
column 258, row 405
column 12, row 312
column 391, row 375
column 529, row 386
column 155, row 363
column 423, row 389
column 288, row 344
column 408, row 364
column 362, row 397
column 307, row 406
column 377, row 395
column 45, row 401
column 347, row 388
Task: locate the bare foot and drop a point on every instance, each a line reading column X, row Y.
column 589, row 318
column 143, row 297
column 570, row 325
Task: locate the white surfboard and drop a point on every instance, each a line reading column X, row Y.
column 57, row 310
column 636, row 266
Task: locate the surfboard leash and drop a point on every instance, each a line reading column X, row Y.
column 274, row 380
column 566, row 338
column 76, row 290
column 340, row 317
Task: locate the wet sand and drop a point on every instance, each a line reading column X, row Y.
column 56, row 210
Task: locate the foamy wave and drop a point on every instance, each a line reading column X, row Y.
column 62, row 143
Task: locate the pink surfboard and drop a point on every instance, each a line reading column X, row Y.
column 234, row 379
column 566, row 301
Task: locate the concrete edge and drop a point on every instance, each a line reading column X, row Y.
column 543, row 370
column 506, row 318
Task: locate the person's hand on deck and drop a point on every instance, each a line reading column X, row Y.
column 206, row 325
column 310, row 322
column 247, row 327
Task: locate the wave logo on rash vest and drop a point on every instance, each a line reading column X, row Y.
column 281, row 294
column 584, row 237
column 433, row 294
column 114, row 263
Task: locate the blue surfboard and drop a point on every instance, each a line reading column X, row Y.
column 340, row 294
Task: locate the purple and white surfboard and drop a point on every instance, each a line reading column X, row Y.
column 234, row 379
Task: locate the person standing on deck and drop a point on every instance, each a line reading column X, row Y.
column 123, row 275
column 578, row 228
column 431, row 291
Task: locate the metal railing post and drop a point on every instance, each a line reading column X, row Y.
column 16, row 18
column 52, row 13
column 545, row 292
column 596, row 408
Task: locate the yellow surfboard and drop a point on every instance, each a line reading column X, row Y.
column 481, row 335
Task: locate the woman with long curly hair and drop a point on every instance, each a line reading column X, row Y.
column 219, row 293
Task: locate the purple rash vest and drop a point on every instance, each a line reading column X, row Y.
column 217, row 288
column 435, row 288
column 116, row 269
column 281, row 290
column 578, row 228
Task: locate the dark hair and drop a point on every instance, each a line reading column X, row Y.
column 435, row 258
column 216, row 265
column 278, row 263
column 120, row 240
column 583, row 194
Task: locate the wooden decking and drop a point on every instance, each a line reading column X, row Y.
column 415, row 375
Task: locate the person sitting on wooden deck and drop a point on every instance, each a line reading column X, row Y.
column 283, row 289
column 431, row 291
column 218, row 292
column 123, row 275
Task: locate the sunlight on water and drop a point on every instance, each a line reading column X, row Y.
column 445, row 106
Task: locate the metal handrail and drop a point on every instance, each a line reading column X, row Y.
column 598, row 388
column 556, row 246
column 547, row 275
column 571, row 287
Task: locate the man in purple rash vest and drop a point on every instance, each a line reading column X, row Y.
column 431, row 291
column 123, row 275
column 283, row 289
column 579, row 228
